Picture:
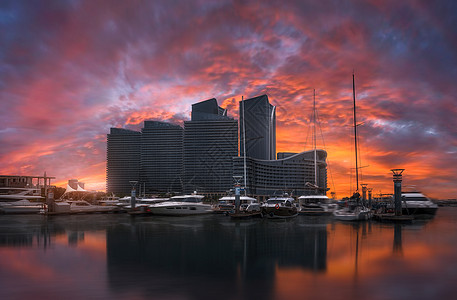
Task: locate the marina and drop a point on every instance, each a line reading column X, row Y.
column 196, row 257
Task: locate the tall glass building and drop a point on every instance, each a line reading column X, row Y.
column 122, row 160
column 161, row 157
column 259, row 117
column 210, row 143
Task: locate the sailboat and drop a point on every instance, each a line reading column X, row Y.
column 318, row 204
column 354, row 211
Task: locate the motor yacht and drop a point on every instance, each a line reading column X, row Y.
column 316, row 205
column 352, row 213
column 227, row 203
column 84, row 206
column 279, row 207
column 23, row 206
column 181, row 206
column 416, row 203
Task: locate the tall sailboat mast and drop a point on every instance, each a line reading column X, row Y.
column 314, row 135
column 244, row 147
column 355, row 135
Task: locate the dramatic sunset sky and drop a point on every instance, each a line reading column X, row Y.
column 70, row 70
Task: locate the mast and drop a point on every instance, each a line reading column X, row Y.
column 314, row 135
column 355, row 135
column 244, row 147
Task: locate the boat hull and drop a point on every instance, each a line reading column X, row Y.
column 279, row 213
column 185, row 209
column 344, row 215
column 419, row 211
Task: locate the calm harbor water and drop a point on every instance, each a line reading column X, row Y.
column 214, row 257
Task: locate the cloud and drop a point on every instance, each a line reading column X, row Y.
column 70, row 70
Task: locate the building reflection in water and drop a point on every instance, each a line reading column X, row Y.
column 214, row 256
column 239, row 258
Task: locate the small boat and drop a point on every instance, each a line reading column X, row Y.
column 181, row 206
column 279, row 208
column 316, row 205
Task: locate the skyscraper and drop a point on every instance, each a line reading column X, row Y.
column 259, row 117
column 123, row 160
column 210, row 143
column 161, row 157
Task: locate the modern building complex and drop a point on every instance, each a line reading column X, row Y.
column 210, row 143
column 161, row 157
column 291, row 172
column 258, row 120
column 122, row 160
column 203, row 156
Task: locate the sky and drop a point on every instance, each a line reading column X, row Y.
column 70, row 70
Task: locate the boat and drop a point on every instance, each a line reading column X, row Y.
column 181, row 206
column 82, row 206
column 141, row 203
column 355, row 213
column 316, row 205
column 279, row 207
column 226, row 204
column 416, row 203
column 247, row 211
column 11, row 194
column 23, row 206
column 354, row 210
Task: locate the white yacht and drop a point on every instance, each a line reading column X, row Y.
column 13, row 194
column 181, row 206
column 84, row 206
column 416, row 203
column 227, row 203
column 23, row 206
column 316, row 205
column 142, row 202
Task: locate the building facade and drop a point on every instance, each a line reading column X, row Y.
column 210, row 143
column 258, row 121
column 161, row 164
column 291, row 172
column 123, row 155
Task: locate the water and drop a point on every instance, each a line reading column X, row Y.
column 214, row 257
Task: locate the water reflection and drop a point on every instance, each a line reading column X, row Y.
column 239, row 258
column 117, row 256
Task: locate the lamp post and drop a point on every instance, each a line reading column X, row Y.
column 237, row 192
column 364, row 194
column 133, row 194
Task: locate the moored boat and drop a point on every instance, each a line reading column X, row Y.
column 416, row 203
column 181, row 206
column 21, row 207
column 226, row 204
column 279, row 208
column 316, row 205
